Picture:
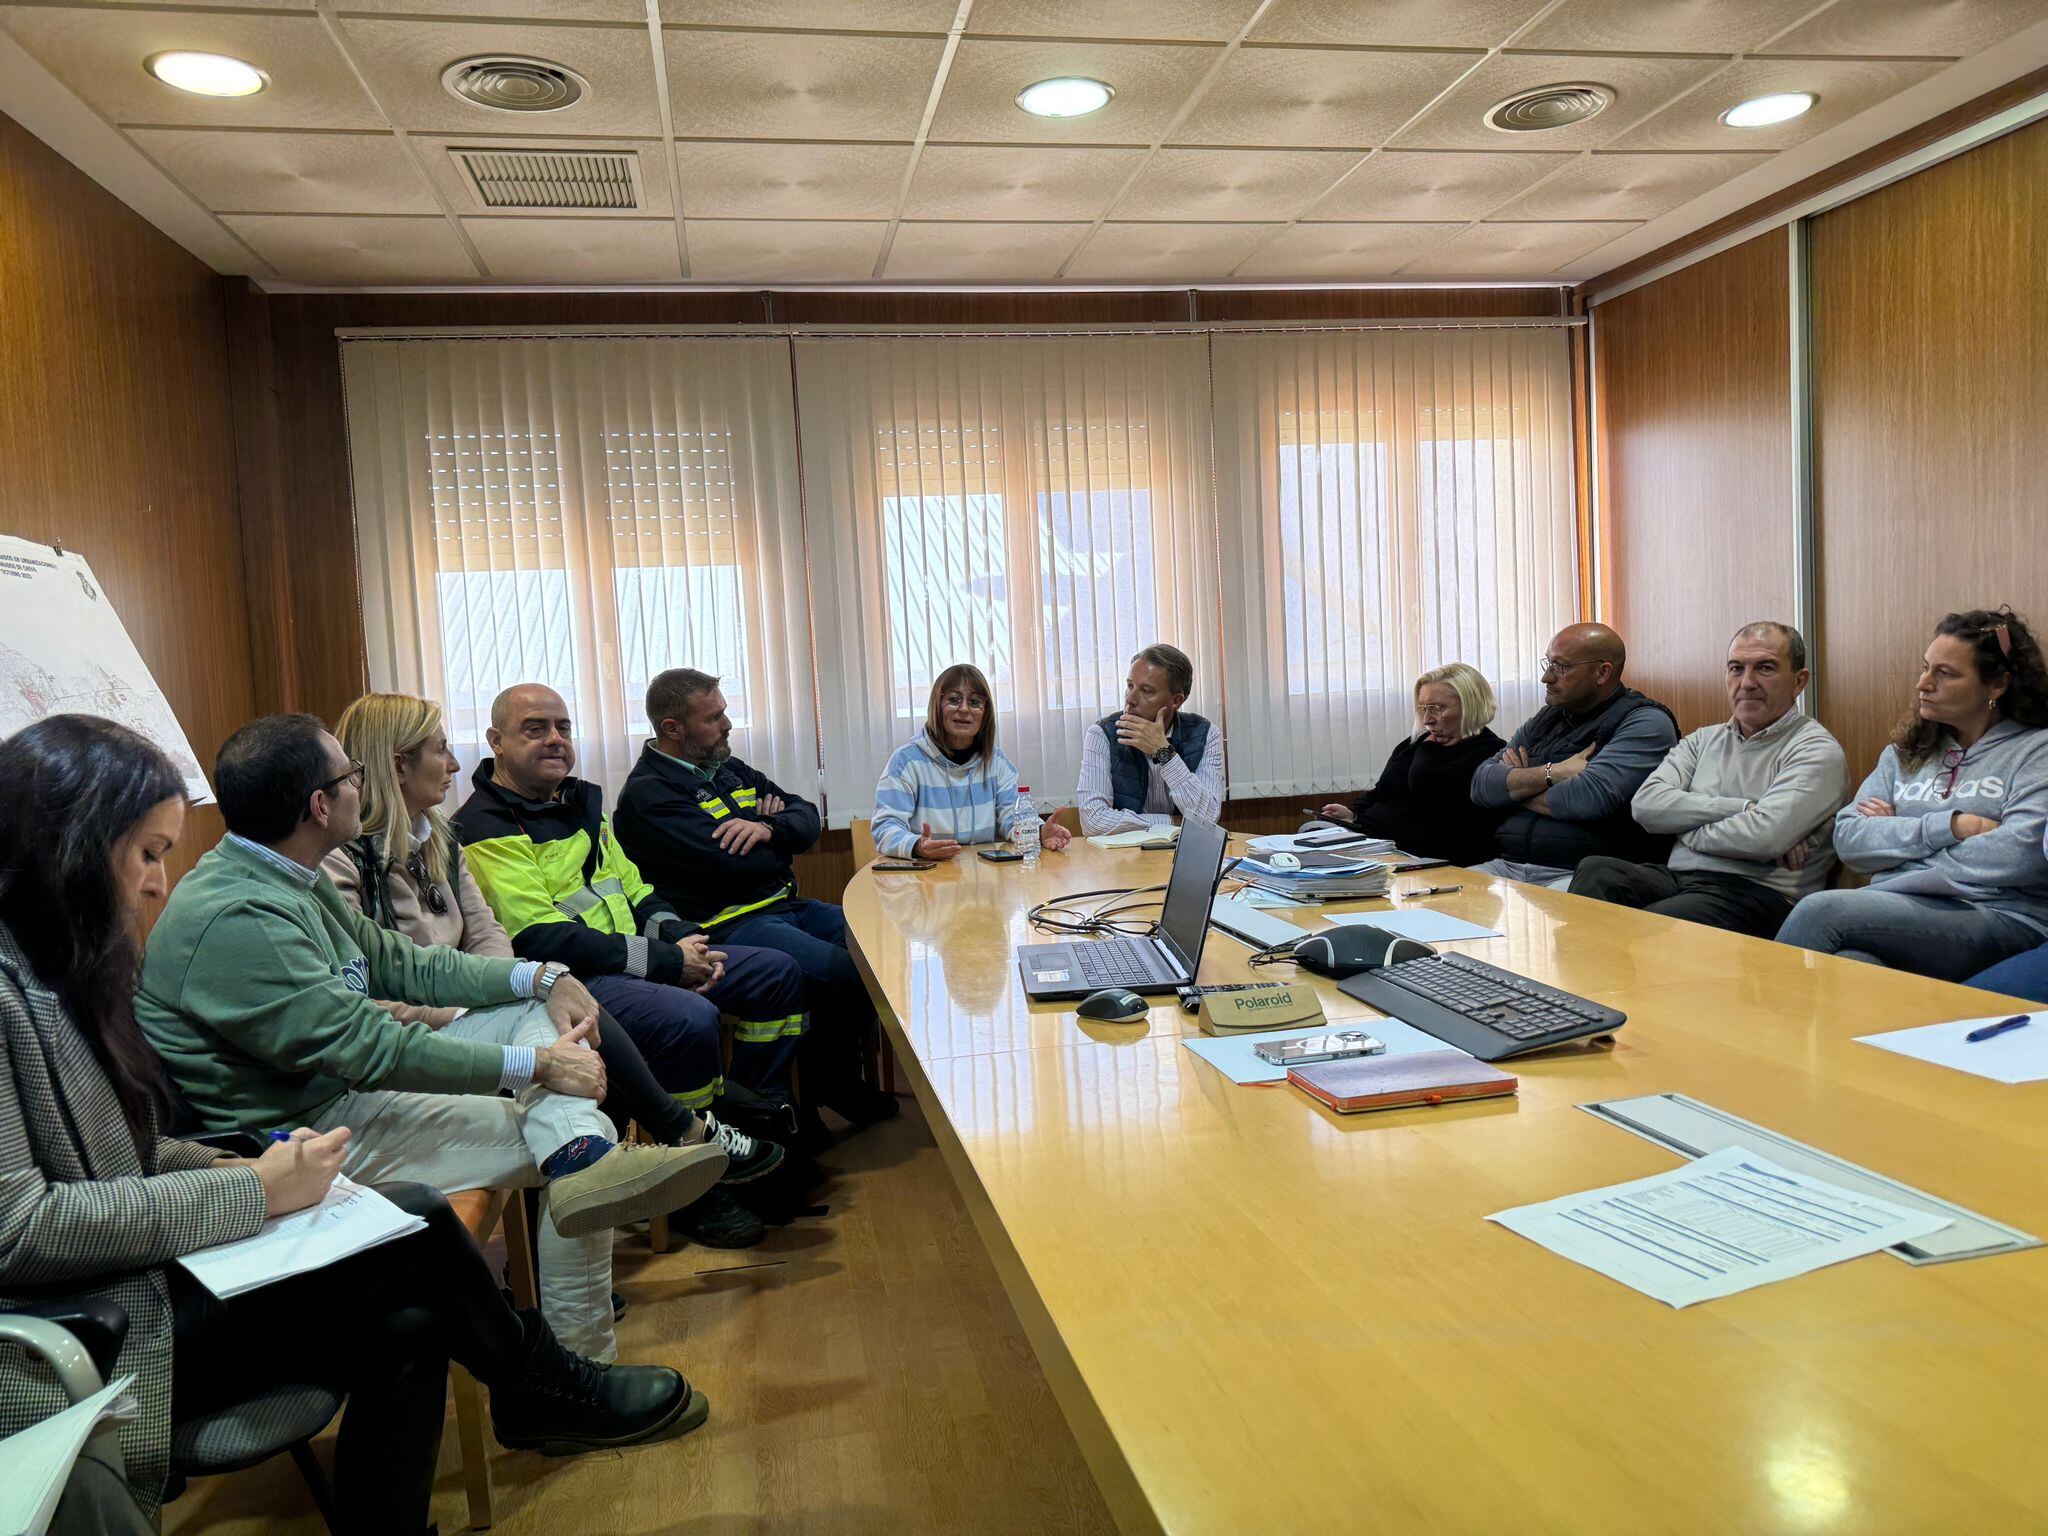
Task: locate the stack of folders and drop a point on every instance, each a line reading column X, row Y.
column 1322, row 876
column 1392, row 1082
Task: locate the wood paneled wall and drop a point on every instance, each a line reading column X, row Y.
column 116, row 437
column 1694, row 396
column 1930, row 338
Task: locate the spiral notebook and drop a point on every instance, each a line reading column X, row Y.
column 1393, row 1082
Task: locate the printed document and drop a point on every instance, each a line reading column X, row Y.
column 349, row 1220
column 36, row 1463
column 1722, row 1224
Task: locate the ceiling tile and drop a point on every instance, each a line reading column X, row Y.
column 404, row 60
column 1427, row 184
column 441, row 171
column 1620, row 186
column 1639, row 86
column 1234, row 184
column 1343, row 252
column 469, row 10
column 768, row 85
column 1017, row 182
column 1513, row 250
column 290, row 172
column 1169, row 253
column 99, row 54
column 1663, row 26
column 786, row 250
column 1875, row 28
column 1318, row 96
column 1168, row 20
column 1016, row 253
column 790, row 181
column 1396, row 23
column 1151, row 82
column 577, row 250
column 833, row 15
column 336, row 249
column 1845, row 87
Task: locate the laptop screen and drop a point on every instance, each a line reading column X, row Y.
column 1197, row 861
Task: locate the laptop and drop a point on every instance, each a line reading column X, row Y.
column 1077, row 967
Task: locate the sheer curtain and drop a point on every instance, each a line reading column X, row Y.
column 1040, row 507
column 585, row 513
column 1390, row 501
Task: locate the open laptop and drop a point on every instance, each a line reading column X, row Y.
column 1080, row 966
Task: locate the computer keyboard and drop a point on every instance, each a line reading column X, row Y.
column 1481, row 1009
column 1117, row 962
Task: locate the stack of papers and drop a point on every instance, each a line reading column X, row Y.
column 1322, row 876
column 36, row 1463
column 349, row 1220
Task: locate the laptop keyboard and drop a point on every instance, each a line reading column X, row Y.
column 1116, row 962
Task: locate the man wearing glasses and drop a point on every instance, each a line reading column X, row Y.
column 257, row 988
column 1569, row 772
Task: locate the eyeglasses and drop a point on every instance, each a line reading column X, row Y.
column 353, row 776
column 974, row 703
column 1434, row 711
column 416, row 866
column 1951, row 760
column 1552, row 664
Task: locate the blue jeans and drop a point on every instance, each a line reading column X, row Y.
column 1936, row 936
column 677, row 1029
column 2024, row 975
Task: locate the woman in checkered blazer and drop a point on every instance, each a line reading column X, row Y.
column 93, row 1202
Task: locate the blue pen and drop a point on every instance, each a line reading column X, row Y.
column 280, row 1135
column 2017, row 1021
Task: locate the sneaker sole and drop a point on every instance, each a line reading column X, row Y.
column 761, row 1170
column 676, row 1183
column 689, row 1415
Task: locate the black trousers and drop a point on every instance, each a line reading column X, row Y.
column 380, row 1327
column 632, row 1090
column 1699, row 896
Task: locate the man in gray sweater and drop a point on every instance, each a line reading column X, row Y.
column 1751, row 802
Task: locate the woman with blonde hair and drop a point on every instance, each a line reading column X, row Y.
column 1423, row 799
column 950, row 785
column 406, row 872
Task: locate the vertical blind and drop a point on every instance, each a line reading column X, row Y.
column 1037, row 507
column 584, row 512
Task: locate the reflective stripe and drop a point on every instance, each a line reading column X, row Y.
column 767, row 1031
column 730, row 913
column 578, row 902
column 715, row 809
column 700, row 1098
column 636, row 958
column 744, row 798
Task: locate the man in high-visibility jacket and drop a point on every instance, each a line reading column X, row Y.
column 543, row 853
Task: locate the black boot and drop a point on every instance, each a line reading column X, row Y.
column 561, row 1404
column 718, row 1221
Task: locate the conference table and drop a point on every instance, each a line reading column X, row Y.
column 1260, row 1316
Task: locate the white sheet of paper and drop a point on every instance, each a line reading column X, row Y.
column 1721, row 1224
column 1233, row 1056
column 1419, row 923
column 2017, row 1056
column 1299, row 842
column 36, row 1463
column 349, row 1220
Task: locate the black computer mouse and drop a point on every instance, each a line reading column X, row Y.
column 1112, row 1003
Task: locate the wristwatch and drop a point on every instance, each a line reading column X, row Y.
column 544, row 982
column 1164, row 755
column 1548, row 781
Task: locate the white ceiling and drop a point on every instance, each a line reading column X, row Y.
column 858, row 140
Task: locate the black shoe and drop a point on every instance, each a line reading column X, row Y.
column 860, row 1105
column 718, row 1221
column 618, row 1306
column 562, row 1404
column 747, row 1157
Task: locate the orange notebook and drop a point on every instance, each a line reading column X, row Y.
column 1391, row 1082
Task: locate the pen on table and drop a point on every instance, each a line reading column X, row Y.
column 1433, row 890
column 2017, row 1021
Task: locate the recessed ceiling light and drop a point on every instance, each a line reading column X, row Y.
column 1066, row 97
column 1766, row 110
column 207, row 74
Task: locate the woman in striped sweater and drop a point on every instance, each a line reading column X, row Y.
column 950, row 785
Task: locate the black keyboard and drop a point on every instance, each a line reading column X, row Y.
column 1481, row 1009
column 1118, row 962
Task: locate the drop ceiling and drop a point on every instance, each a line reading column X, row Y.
column 794, row 141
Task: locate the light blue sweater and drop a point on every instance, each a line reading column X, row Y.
column 970, row 802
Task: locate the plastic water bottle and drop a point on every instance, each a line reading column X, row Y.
column 1025, row 824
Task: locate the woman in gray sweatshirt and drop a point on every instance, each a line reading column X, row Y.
column 1949, row 825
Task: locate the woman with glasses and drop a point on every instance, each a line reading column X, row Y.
column 1423, row 799
column 950, row 785
column 406, row 872
column 1949, row 824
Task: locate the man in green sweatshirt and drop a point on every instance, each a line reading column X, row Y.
column 256, row 991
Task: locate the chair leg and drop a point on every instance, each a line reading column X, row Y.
column 657, row 1225
column 521, row 1271
column 316, row 1481
column 476, row 1451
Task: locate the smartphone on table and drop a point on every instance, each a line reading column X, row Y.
column 1335, row 1046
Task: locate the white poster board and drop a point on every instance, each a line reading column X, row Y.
column 63, row 650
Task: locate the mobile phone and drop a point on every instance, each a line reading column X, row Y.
column 1331, row 1047
column 998, row 855
column 902, row 864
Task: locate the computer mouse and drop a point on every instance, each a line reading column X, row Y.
column 1112, row 1003
column 1284, row 860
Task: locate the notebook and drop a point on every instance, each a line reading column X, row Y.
column 1390, row 1082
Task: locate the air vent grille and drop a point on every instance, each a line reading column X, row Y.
column 1549, row 106
column 552, row 179
column 510, row 83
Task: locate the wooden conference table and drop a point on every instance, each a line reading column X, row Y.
column 1261, row 1317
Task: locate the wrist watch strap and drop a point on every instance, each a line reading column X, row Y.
column 544, row 983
